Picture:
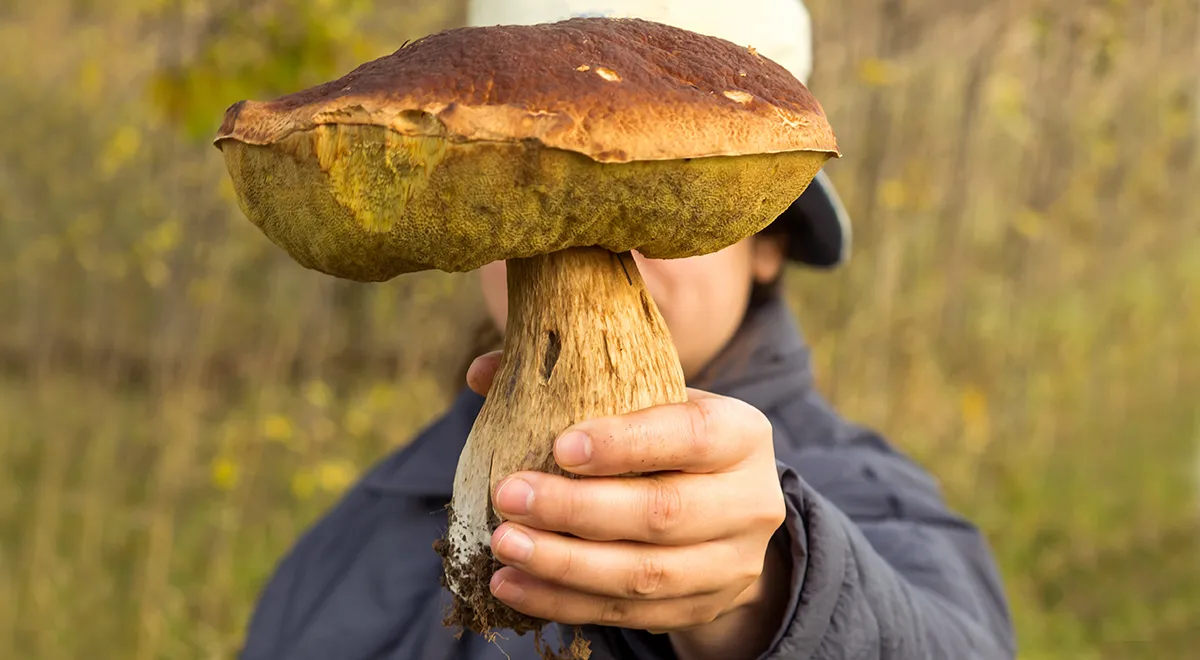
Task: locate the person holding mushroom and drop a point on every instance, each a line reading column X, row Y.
column 646, row 470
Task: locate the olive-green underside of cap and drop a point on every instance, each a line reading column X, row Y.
column 366, row 203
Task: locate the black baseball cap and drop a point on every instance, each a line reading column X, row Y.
column 817, row 225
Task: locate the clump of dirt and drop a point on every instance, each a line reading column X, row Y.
column 580, row 648
column 477, row 610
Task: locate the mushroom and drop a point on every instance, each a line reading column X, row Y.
column 560, row 148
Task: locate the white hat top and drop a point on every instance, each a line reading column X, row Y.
column 778, row 29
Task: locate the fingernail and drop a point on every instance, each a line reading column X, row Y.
column 516, row 546
column 506, row 591
column 573, row 449
column 515, row 497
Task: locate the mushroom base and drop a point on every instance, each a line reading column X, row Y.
column 583, row 340
column 476, row 609
column 474, row 606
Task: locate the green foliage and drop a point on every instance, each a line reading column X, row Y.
column 249, row 49
column 178, row 400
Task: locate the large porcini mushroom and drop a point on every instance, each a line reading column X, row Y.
column 559, row 148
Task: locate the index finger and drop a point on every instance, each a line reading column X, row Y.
column 708, row 433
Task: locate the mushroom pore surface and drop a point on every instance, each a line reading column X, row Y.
column 367, row 203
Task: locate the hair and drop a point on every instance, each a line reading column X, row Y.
column 763, row 292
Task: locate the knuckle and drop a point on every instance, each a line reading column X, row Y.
column 701, row 419
column 773, row 513
column 704, row 611
column 664, row 507
column 745, row 565
column 614, row 612
column 567, row 567
column 761, row 426
column 568, row 510
column 750, row 571
column 647, row 577
column 753, row 425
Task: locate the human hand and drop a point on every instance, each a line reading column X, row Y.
column 673, row 551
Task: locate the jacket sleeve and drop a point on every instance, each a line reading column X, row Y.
column 883, row 569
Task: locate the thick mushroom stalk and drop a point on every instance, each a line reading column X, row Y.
column 583, row 340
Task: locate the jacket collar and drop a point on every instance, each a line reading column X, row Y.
column 765, row 364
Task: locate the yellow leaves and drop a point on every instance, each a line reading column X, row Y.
column 876, row 72
column 1179, row 120
column 908, row 191
column 226, row 191
column 1006, row 99
column 363, row 412
column 303, row 485
column 156, row 273
column 1006, row 94
column 318, row 393
column 1029, row 223
column 119, row 150
column 43, row 250
column 224, row 473
column 331, row 477
column 278, row 428
column 202, row 291
column 114, row 266
column 285, row 448
column 164, row 237
column 893, row 194
column 357, row 422
column 83, row 228
column 1103, row 151
column 1040, row 27
column 91, row 78
column 974, row 407
column 335, row 476
column 381, row 396
column 153, row 249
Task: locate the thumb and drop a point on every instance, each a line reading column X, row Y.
column 482, row 372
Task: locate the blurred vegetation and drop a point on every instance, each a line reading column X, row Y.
column 178, row 400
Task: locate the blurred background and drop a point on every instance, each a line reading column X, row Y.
column 178, row 399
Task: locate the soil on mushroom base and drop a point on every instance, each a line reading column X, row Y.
column 477, row 610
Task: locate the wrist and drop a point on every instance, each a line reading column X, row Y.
column 749, row 627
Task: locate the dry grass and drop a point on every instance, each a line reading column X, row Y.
column 178, row 400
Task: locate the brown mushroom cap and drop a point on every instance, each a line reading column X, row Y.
column 479, row 144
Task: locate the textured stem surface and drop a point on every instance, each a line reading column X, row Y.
column 583, row 340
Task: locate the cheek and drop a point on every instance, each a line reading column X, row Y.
column 704, row 285
column 493, row 281
column 702, row 299
column 720, row 287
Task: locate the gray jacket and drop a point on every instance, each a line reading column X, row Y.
column 883, row 570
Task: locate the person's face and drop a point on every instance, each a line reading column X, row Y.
column 702, row 299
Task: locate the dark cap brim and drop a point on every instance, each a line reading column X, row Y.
column 818, row 226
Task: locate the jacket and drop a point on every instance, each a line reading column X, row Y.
column 882, row 568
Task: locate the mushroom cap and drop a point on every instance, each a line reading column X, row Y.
column 479, row 144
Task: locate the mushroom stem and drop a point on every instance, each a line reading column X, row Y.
column 583, row 340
